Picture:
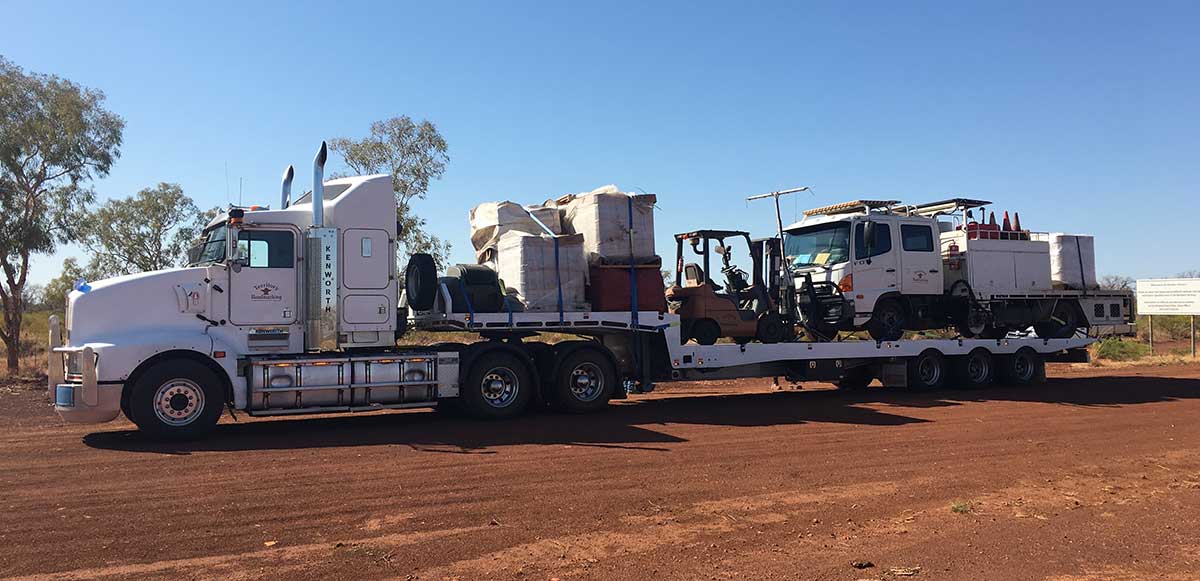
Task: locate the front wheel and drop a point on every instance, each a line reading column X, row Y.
column 887, row 321
column 176, row 399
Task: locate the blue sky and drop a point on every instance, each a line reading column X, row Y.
column 1082, row 116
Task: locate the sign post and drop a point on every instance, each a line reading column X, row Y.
column 1169, row 296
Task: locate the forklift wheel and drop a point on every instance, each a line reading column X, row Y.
column 705, row 331
column 771, row 329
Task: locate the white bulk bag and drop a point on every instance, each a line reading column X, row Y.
column 525, row 263
column 1073, row 261
column 489, row 221
column 602, row 217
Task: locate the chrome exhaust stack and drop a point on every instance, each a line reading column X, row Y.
column 321, row 261
column 286, row 194
column 318, row 193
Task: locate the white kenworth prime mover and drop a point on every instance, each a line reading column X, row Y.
column 298, row 310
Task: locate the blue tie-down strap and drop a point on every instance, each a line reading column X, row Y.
column 558, row 282
column 462, row 286
column 508, row 307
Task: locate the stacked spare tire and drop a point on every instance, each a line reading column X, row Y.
column 573, row 253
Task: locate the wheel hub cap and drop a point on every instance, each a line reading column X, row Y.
column 178, row 402
column 499, row 387
column 586, row 382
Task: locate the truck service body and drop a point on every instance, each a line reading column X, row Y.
column 294, row 310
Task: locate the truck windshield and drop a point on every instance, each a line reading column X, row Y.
column 824, row 245
column 210, row 248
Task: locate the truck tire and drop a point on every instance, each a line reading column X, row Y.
column 888, row 320
column 498, row 386
column 420, row 282
column 927, row 371
column 975, row 369
column 1021, row 368
column 1064, row 321
column 176, row 399
column 856, row 378
column 584, row 382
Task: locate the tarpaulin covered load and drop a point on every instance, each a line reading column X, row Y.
column 602, row 217
column 1072, row 261
column 526, row 265
column 489, row 221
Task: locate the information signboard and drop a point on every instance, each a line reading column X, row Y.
column 1168, row 296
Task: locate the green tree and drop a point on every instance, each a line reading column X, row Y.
column 55, row 136
column 54, row 296
column 150, row 230
column 414, row 154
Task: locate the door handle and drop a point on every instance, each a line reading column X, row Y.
column 933, row 270
column 890, row 270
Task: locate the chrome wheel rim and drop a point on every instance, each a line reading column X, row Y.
column 178, row 402
column 499, row 387
column 587, row 382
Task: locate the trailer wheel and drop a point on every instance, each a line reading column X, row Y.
column 975, row 369
column 927, row 370
column 1021, row 368
column 1064, row 321
column 498, row 386
column 584, row 382
column 856, row 378
column 888, row 321
column 176, row 399
column 705, row 331
column 420, row 281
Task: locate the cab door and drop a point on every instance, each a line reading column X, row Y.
column 920, row 259
column 875, row 263
column 263, row 278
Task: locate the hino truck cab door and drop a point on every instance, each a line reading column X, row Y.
column 263, row 277
column 920, row 259
column 875, row 262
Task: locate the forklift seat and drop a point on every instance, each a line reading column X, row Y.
column 692, row 274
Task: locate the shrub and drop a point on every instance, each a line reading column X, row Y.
column 1115, row 349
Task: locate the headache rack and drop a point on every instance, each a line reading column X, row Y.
column 852, row 207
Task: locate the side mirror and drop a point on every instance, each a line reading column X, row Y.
column 869, row 231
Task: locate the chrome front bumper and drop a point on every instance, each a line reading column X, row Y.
column 71, row 381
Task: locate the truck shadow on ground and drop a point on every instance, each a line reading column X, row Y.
column 632, row 423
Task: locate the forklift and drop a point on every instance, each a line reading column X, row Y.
column 742, row 309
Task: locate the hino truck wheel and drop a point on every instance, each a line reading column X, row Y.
column 584, row 382
column 927, row 370
column 1022, row 367
column 176, row 399
column 498, row 386
column 1064, row 321
column 420, row 282
column 975, row 369
column 888, row 321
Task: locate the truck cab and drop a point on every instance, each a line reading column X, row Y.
column 170, row 348
column 874, row 256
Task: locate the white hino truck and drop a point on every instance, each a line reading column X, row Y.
column 299, row 310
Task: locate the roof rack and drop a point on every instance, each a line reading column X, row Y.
column 852, row 207
column 947, row 206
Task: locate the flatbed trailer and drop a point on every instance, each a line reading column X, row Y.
column 645, row 348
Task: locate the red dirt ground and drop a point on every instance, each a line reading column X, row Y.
column 1094, row 475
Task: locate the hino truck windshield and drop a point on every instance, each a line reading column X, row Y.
column 823, row 245
column 210, row 248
